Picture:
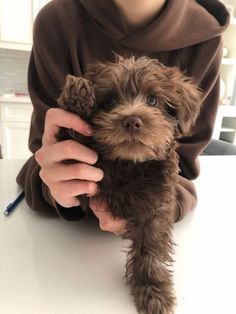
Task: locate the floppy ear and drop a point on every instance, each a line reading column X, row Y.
column 185, row 97
column 190, row 107
column 100, row 74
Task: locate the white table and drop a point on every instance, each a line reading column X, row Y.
column 49, row 266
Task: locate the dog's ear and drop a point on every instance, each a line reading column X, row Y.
column 185, row 99
column 190, row 107
column 101, row 75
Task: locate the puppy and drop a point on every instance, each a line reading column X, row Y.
column 138, row 108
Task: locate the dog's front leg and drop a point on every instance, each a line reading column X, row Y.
column 147, row 269
column 78, row 96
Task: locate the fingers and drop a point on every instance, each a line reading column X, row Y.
column 106, row 221
column 65, row 150
column 69, row 202
column 67, row 181
column 65, row 192
column 63, row 172
column 116, row 226
column 57, row 118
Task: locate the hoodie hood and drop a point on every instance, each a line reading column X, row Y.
column 182, row 23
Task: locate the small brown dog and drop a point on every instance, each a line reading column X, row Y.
column 138, row 109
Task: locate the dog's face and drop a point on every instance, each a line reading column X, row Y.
column 142, row 107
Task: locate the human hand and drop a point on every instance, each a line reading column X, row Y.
column 66, row 181
column 106, row 221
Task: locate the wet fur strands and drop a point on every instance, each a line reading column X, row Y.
column 138, row 108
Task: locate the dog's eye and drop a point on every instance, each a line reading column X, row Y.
column 171, row 110
column 111, row 102
column 152, row 100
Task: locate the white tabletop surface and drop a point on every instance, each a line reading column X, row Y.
column 50, row 266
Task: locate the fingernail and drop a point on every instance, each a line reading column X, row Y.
column 88, row 129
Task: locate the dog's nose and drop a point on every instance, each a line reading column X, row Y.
column 132, row 123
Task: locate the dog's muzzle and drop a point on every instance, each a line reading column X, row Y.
column 132, row 124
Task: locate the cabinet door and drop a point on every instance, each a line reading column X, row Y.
column 15, row 140
column 19, row 112
column 16, row 22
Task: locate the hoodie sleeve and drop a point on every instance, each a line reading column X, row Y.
column 49, row 63
column 190, row 148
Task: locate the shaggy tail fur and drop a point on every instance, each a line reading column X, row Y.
column 147, row 271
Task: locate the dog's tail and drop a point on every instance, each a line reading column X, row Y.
column 148, row 265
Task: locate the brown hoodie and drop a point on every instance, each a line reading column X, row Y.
column 69, row 34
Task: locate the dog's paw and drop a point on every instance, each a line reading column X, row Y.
column 154, row 300
column 77, row 96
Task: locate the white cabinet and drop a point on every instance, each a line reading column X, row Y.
column 228, row 66
column 15, row 138
column 16, row 22
column 15, row 124
column 225, row 126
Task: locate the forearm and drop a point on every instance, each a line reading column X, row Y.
column 186, row 198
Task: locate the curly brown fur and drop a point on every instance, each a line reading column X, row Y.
column 141, row 108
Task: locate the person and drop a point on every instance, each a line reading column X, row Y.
column 70, row 34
